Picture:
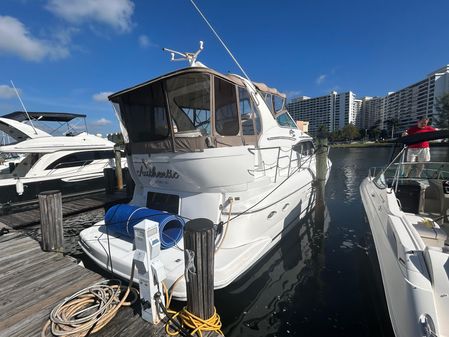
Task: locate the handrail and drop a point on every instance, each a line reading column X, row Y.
column 277, row 166
column 400, row 170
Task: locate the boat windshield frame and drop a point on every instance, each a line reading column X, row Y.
column 401, row 169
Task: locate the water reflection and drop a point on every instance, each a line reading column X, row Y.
column 269, row 289
column 323, row 278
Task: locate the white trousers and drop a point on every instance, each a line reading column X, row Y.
column 418, row 154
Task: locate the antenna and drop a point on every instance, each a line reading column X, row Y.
column 23, row 106
column 190, row 57
column 219, row 39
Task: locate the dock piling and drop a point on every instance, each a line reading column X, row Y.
column 50, row 205
column 199, row 267
column 118, row 167
column 109, row 180
column 321, row 159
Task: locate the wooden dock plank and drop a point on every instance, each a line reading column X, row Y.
column 34, row 282
column 70, row 207
column 31, row 318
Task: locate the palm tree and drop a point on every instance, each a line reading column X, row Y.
column 442, row 107
column 392, row 124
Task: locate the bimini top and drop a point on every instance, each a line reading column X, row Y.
column 423, row 137
column 21, row 116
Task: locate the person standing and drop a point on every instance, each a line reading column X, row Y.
column 419, row 152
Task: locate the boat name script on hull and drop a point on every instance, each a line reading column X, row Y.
column 154, row 173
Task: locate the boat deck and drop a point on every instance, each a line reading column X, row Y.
column 34, row 282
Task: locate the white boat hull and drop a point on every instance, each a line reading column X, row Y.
column 409, row 293
column 248, row 238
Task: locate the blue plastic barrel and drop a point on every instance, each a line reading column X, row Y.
column 122, row 218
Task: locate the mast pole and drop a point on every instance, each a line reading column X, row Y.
column 23, row 106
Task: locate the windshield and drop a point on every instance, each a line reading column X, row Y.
column 189, row 101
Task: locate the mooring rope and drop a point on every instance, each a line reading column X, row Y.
column 196, row 324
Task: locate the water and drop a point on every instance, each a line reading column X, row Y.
column 323, row 279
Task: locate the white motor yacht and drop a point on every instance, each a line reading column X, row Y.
column 407, row 208
column 72, row 162
column 201, row 144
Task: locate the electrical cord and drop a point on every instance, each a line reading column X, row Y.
column 170, row 317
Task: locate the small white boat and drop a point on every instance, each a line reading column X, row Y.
column 201, row 144
column 407, row 208
column 72, row 162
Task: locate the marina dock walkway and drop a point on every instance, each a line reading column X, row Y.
column 33, row 282
column 69, row 207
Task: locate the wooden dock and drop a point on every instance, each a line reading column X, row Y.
column 69, row 207
column 33, row 283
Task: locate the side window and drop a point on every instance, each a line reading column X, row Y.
column 226, row 114
column 79, row 159
column 284, row 120
column 304, row 148
column 246, row 113
column 269, row 101
column 249, row 115
column 279, row 103
column 307, row 149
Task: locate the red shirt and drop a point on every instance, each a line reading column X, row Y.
column 413, row 130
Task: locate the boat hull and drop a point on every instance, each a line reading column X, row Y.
column 10, row 200
column 259, row 231
column 408, row 293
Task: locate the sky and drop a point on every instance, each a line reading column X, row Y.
column 68, row 55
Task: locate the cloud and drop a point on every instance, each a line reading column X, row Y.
column 114, row 13
column 293, row 93
column 145, row 42
column 15, row 39
column 64, row 35
column 320, row 79
column 7, row 92
column 102, row 122
column 102, row 96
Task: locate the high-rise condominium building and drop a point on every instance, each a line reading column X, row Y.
column 407, row 105
column 370, row 113
column 331, row 112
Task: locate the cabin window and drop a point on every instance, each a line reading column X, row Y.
column 249, row 115
column 80, row 159
column 226, row 114
column 268, row 98
column 304, row 148
column 278, row 103
column 144, row 113
column 189, row 101
column 284, row 120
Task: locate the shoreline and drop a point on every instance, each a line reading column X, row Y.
column 385, row 144
column 361, row 145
